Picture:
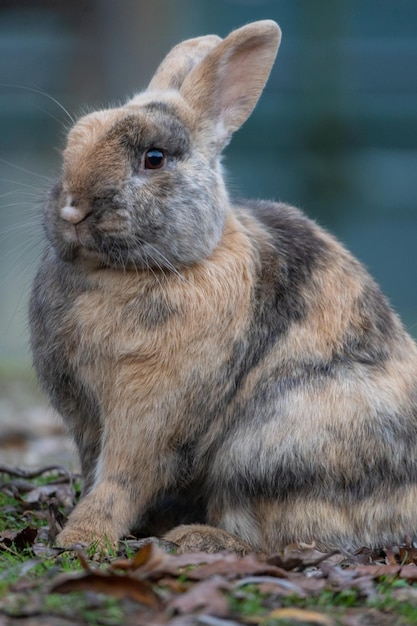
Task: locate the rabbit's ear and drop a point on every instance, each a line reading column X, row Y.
column 224, row 88
column 181, row 60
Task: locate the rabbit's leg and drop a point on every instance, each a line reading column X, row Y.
column 80, row 411
column 132, row 470
column 88, row 445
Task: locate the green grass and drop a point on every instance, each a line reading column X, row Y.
column 249, row 603
column 106, row 612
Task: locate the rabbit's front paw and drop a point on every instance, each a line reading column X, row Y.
column 71, row 537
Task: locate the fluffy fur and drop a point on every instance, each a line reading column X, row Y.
column 228, row 361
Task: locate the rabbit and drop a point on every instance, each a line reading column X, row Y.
column 226, row 360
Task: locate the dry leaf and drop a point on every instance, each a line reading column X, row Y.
column 174, row 565
column 390, row 557
column 408, row 572
column 204, row 596
column 20, row 539
column 352, row 578
column 271, row 584
column 300, row 615
column 195, row 558
column 232, row 565
column 298, row 555
column 408, row 555
column 175, row 585
column 83, row 560
column 142, row 557
column 149, row 559
column 119, row 586
column 40, row 494
column 366, row 556
column 56, row 520
column 145, row 562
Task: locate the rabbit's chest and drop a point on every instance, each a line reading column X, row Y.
column 111, row 348
column 110, row 329
column 147, row 346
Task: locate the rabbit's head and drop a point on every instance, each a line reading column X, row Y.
column 141, row 185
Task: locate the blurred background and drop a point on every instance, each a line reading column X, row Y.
column 334, row 133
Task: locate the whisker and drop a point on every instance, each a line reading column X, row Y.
column 41, row 92
column 23, row 169
column 20, row 192
column 22, row 244
column 52, row 116
column 24, row 279
column 21, row 274
column 121, row 258
column 8, row 231
column 166, row 261
column 155, row 275
column 12, row 204
column 181, row 276
column 19, row 182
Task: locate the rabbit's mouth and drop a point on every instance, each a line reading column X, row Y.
column 82, row 243
column 78, row 235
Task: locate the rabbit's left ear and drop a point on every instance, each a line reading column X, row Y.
column 225, row 86
column 181, row 60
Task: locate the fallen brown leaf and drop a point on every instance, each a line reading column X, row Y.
column 407, row 555
column 232, row 565
column 271, row 584
column 56, row 520
column 298, row 555
column 20, row 539
column 191, row 559
column 351, row 578
column 146, row 561
column 118, row 586
column 174, row 565
column 407, row 572
column 366, row 556
column 390, row 556
column 143, row 556
column 149, row 559
column 299, row 615
column 83, row 560
column 40, row 494
column 205, row 596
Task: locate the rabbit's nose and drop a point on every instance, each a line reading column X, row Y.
column 74, row 214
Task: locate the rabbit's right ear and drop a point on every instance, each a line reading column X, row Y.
column 224, row 87
column 181, row 60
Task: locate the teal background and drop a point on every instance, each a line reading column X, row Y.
column 334, row 133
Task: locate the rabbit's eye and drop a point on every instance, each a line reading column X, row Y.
column 154, row 159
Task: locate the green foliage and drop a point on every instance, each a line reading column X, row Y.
column 99, row 611
column 248, row 601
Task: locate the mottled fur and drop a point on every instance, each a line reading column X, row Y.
column 228, row 361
